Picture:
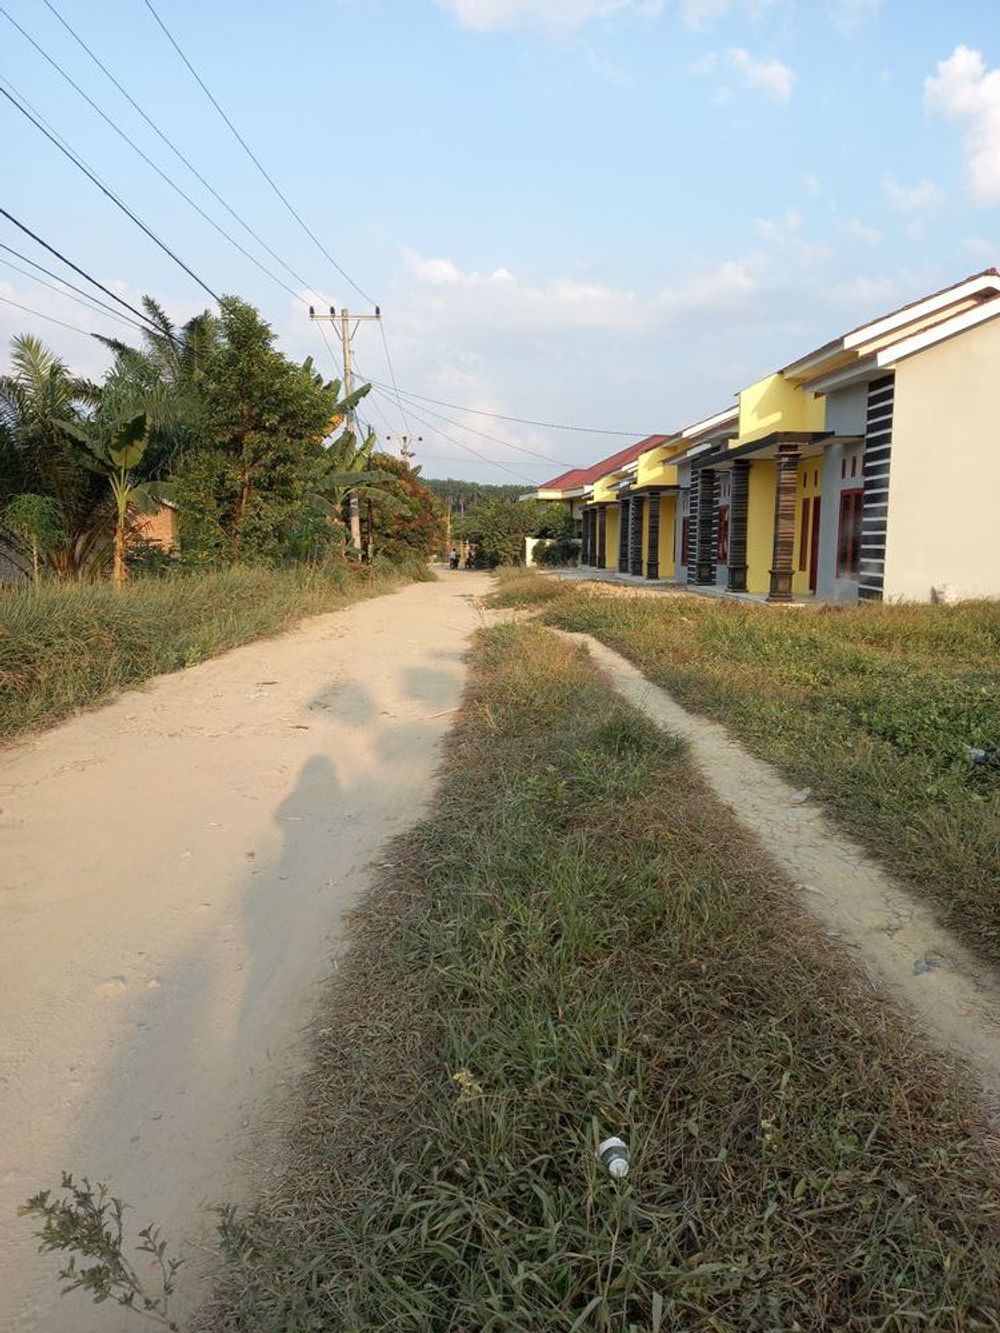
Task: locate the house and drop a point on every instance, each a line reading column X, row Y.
column 575, row 489
column 864, row 470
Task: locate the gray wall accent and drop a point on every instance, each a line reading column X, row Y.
column 683, row 499
column 846, row 414
column 847, row 410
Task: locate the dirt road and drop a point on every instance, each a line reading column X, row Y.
column 175, row 871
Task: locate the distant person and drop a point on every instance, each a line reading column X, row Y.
column 470, row 558
column 453, row 559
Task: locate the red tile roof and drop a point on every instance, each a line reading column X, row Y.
column 586, row 476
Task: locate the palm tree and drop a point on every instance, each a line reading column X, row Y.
column 114, row 455
column 39, row 458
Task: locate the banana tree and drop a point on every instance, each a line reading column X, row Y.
column 115, row 456
column 346, row 476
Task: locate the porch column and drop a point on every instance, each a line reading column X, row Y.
column 784, row 523
column 738, row 508
column 653, row 536
column 705, row 527
column 602, row 535
column 586, row 548
column 635, row 535
column 624, row 506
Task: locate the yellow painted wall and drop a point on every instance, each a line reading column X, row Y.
column 604, row 488
column 611, row 536
column 809, row 484
column 652, row 470
column 760, row 525
column 775, row 404
column 668, row 513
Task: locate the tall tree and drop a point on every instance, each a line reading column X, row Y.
column 39, row 458
column 241, row 490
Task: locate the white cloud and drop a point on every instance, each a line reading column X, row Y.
column 964, row 90
column 982, row 248
column 702, row 13
column 863, row 232
column 773, row 78
column 720, row 289
column 779, row 229
column 811, row 184
column 850, row 15
column 556, row 15
column 911, row 198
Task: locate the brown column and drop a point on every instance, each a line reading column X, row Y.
column 623, row 529
column 738, row 509
column 653, row 536
column 784, row 523
column 705, row 528
column 602, row 536
column 636, row 506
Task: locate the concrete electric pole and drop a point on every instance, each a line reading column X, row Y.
column 346, row 335
column 406, row 443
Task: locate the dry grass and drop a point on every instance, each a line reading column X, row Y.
column 871, row 707
column 68, row 646
column 585, row 939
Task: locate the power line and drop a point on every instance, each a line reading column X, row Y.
column 522, row 421
column 494, row 439
column 51, row 318
column 93, row 301
column 111, row 314
column 147, row 159
column 392, row 376
column 67, row 152
column 256, row 160
column 75, row 267
column 185, row 160
column 429, row 425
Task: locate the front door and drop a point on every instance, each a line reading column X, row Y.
column 814, row 544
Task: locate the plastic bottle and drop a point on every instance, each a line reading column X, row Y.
column 614, row 1154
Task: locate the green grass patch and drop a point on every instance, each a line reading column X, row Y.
column 65, row 646
column 577, row 943
column 871, row 707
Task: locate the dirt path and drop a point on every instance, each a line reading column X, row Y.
column 175, row 871
column 952, row 995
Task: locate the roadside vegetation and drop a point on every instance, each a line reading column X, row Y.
column 874, row 708
column 579, row 942
column 67, row 646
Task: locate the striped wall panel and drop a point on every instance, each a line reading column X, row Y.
column 875, row 504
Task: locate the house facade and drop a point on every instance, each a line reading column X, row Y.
column 865, row 470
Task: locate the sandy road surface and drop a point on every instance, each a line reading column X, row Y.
column 174, row 872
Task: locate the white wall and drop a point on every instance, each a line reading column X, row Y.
column 944, row 476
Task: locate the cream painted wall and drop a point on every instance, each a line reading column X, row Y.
column 945, row 470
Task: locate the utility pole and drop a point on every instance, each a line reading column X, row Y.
column 346, row 335
column 406, row 443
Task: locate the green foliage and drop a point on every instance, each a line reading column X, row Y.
column 557, row 554
column 87, row 1223
column 463, row 495
column 497, row 529
column 241, row 489
column 555, row 521
column 35, row 520
column 584, row 945
column 404, row 517
column 871, row 707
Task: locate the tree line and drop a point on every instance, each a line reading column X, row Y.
column 251, row 450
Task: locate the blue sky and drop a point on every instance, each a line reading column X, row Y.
column 597, row 212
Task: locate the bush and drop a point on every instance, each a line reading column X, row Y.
column 557, row 554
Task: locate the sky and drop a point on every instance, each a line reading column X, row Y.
column 609, row 214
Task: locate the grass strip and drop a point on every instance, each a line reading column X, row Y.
column 579, row 942
column 67, row 646
column 872, row 707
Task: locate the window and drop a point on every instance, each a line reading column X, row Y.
column 849, row 534
column 722, row 537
